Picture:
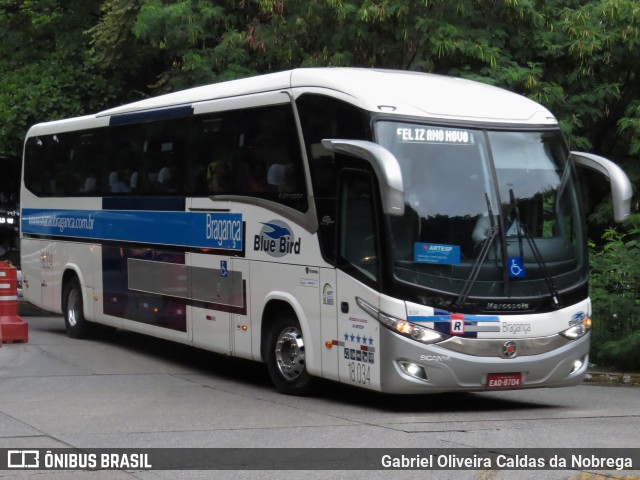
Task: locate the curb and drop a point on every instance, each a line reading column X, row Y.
column 613, row 378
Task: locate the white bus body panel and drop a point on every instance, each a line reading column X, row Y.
column 329, row 308
column 358, row 335
column 210, row 329
column 241, row 322
column 288, row 272
column 393, row 92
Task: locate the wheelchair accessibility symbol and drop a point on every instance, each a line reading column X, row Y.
column 516, row 267
column 223, row 268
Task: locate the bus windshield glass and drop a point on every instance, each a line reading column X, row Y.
column 511, row 192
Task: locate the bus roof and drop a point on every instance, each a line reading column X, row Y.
column 384, row 91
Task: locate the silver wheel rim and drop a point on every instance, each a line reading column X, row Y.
column 72, row 308
column 290, row 353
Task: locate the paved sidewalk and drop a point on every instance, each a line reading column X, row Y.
column 596, row 376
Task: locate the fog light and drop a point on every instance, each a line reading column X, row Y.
column 577, row 365
column 413, row 370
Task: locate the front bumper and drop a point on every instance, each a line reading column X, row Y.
column 552, row 364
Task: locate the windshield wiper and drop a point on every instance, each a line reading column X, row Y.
column 515, row 211
column 492, row 233
column 522, row 230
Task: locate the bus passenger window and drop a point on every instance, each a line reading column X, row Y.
column 219, row 178
column 270, row 161
column 116, row 182
column 213, row 144
column 281, row 175
column 256, row 178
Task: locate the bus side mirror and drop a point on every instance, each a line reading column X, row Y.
column 384, row 164
column 621, row 190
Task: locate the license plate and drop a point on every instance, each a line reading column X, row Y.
column 504, row 380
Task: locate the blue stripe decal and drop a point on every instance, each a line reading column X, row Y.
column 442, row 321
column 447, row 318
column 216, row 230
column 150, row 115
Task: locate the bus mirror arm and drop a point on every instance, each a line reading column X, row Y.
column 384, row 164
column 621, row 190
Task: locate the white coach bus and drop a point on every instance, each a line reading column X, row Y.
column 402, row 232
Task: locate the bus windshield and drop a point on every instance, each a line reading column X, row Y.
column 493, row 212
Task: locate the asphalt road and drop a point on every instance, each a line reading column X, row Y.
column 120, row 389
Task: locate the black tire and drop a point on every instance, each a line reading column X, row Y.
column 77, row 326
column 285, row 357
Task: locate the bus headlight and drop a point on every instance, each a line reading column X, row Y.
column 579, row 330
column 402, row 327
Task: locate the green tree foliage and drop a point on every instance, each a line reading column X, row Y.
column 43, row 75
column 166, row 46
column 615, row 293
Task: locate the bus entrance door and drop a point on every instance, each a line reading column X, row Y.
column 358, row 272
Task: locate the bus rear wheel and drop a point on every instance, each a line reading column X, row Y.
column 286, row 358
column 77, row 326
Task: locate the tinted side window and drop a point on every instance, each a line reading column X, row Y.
column 253, row 152
column 87, row 161
column 213, row 149
column 124, row 171
column 67, row 164
column 270, row 157
column 35, row 164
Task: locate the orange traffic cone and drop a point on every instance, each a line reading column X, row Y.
column 12, row 327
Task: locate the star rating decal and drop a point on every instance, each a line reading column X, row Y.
column 357, row 338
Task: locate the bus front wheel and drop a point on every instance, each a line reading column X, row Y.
column 286, row 358
column 77, row 326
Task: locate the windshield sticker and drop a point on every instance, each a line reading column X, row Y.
column 457, row 324
column 436, row 253
column 463, row 325
column 516, row 267
column 434, row 135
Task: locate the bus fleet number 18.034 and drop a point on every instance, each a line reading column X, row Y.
column 359, row 373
